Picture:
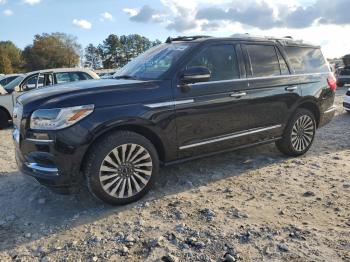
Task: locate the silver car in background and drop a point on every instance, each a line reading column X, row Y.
column 37, row 79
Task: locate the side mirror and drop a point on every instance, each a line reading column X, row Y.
column 196, row 74
column 17, row 89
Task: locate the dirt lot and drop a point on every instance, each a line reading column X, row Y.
column 252, row 205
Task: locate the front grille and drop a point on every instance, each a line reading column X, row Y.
column 346, row 105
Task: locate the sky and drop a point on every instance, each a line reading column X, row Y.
column 322, row 22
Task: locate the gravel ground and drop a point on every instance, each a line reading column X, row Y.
column 249, row 205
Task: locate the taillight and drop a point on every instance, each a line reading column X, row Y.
column 332, row 82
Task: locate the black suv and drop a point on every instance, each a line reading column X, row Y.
column 187, row 98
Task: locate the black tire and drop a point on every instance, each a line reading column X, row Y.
column 96, row 160
column 4, row 119
column 285, row 145
column 347, row 111
column 340, row 84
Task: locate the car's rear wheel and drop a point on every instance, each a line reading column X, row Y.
column 340, row 84
column 121, row 168
column 299, row 134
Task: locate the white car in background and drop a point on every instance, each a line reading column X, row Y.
column 34, row 80
column 5, row 80
column 346, row 103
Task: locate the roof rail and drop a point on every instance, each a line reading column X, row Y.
column 247, row 35
column 185, row 38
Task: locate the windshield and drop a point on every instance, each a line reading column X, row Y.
column 11, row 86
column 153, row 63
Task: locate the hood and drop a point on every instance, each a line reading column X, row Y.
column 98, row 92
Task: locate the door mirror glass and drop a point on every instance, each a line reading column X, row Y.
column 17, row 89
column 196, row 74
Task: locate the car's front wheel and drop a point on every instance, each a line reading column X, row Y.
column 299, row 133
column 121, row 168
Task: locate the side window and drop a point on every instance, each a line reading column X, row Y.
column 306, row 60
column 264, row 61
column 84, row 76
column 221, row 60
column 74, row 77
column 62, row 78
column 41, row 81
column 283, row 64
column 7, row 80
column 10, row 79
column 30, row 83
column 48, row 80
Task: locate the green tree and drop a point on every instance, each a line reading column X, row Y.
column 5, row 65
column 11, row 55
column 117, row 51
column 93, row 57
column 54, row 50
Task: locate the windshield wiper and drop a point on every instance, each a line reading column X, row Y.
column 125, row 77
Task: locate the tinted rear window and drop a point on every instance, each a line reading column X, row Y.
column 306, row 60
column 263, row 60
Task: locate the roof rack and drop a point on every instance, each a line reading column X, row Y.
column 185, row 38
column 287, row 40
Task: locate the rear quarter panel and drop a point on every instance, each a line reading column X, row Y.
column 315, row 89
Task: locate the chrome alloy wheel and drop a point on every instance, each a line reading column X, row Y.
column 126, row 170
column 303, row 133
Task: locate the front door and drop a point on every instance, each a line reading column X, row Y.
column 208, row 112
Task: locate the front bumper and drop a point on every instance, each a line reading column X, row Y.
column 50, row 162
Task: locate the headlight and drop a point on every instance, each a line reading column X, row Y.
column 58, row 118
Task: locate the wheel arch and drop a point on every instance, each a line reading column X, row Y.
column 9, row 117
column 137, row 128
column 313, row 108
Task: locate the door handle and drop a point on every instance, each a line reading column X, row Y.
column 291, row 88
column 238, row 94
column 185, row 88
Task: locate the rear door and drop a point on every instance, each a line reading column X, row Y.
column 272, row 90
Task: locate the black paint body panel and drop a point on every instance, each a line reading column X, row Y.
column 129, row 104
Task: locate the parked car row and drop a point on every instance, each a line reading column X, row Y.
column 7, row 79
column 343, row 78
column 188, row 98
column 18, row 84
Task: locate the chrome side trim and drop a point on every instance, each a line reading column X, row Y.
column 256, row 78
column 330, row 110
column 230, row 136
column 196, row 77
column 181, row 102
column 37, row 167
column 39, row 140
column 170, row 103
